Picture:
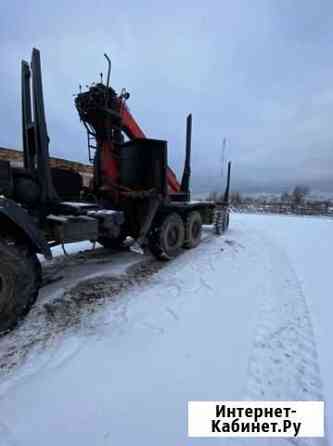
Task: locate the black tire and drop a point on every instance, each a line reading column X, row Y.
column 193, row 230
column 167, row 240
column 221, row 221
column 20, row 280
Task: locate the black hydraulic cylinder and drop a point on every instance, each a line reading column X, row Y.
column 227, row 189
column 185, row 184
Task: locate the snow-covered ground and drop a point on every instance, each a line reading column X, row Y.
column 245, row 316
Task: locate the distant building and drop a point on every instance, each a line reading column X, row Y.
column 15, row 157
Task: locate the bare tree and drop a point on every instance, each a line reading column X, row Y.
column 285, row 197
column 236, row 198
column 212, row 196
column 299, row 193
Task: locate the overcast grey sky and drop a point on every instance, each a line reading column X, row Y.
column 258, row 72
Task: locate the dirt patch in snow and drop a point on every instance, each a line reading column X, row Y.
column 87, row 296
column 70, row 308
column 74, row 289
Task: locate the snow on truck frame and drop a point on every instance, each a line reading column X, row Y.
column 134, row 193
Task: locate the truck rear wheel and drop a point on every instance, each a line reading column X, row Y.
column 167, row 240
column 193, row 230
column 221, row 221
column 20, row 279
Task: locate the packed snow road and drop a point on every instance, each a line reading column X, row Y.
column 245, row 316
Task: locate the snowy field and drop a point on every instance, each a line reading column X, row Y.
column 245, row 316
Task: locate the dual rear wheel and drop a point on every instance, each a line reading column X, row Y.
column 173, row 234
column 221, row 221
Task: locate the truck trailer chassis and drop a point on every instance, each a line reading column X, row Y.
column 135, row 193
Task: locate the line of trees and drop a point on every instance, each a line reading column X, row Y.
column 295, row 201
column 295, row 197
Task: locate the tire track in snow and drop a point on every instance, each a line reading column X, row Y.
column 284, row 361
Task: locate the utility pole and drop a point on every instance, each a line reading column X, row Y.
column 224, row 144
